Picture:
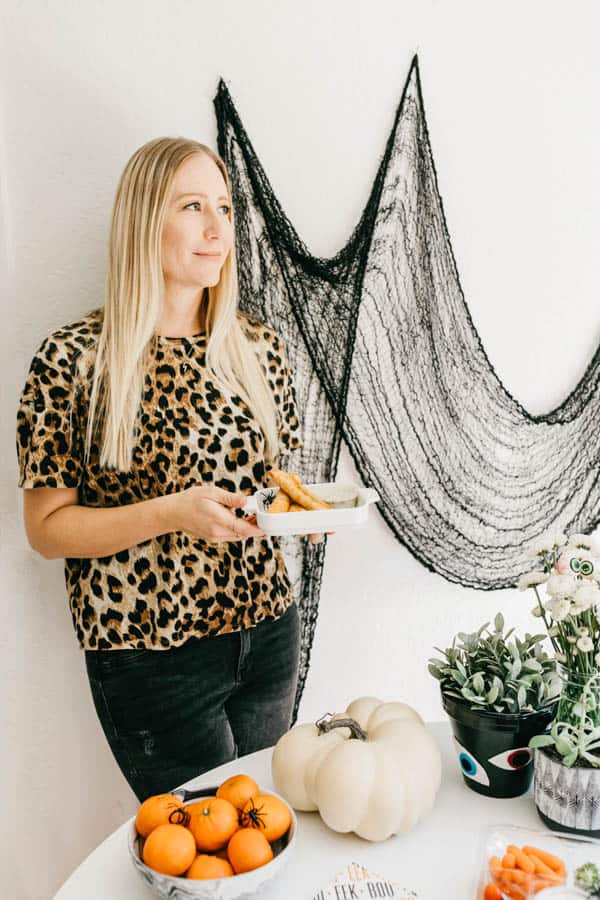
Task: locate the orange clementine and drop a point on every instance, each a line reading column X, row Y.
column 248, row 849
column 270, row 815
column 238, row 789
column 160, row 809
column 205, row 866
column 169, row 849
column 212, row 822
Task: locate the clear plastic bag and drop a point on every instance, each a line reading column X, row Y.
column 541, row 877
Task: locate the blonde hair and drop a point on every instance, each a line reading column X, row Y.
column 133, row 292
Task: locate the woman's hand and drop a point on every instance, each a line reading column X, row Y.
column 206, row 512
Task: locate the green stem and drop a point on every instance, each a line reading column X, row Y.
column 543, row 612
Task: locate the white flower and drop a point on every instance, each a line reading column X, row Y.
column 572, row 639
column 537, row 612
column 561, row 658
column 583, row 632
column 554, row 632
column 578, row 561
column 559, row 609
column 597, row 659
column 561, row 585
column 585, row 644
column 586, row 596
column 532, row 579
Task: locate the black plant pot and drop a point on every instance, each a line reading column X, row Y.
column 492, row 748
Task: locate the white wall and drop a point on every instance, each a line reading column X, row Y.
column 511, row 92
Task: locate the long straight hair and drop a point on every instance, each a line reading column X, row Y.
column 133, row 294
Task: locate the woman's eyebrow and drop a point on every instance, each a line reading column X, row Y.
column 198, row 194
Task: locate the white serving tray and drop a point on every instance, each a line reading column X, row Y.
column 343, row 515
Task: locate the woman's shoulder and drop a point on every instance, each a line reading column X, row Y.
column 71, row 342
column 261, row 332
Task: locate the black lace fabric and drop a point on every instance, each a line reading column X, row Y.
column 386, row 357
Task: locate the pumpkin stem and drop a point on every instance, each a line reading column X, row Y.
column 328, row 723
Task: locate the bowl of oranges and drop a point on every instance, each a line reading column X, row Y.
column 220, row 843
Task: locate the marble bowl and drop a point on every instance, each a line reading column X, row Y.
column 236, row 887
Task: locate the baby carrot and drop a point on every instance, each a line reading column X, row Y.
column 522, row 860
column 540, row 866
column 553, row 861
column 494, row 864
column 509, row 861
column 516, row 876
column 492, row 892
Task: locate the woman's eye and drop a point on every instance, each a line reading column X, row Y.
column 197, row 205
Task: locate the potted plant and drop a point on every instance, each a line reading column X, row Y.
column 498, row 693
column 567, row 760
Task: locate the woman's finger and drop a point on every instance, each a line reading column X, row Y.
column 234, row 528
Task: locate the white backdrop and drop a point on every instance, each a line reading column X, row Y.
column 511, row 93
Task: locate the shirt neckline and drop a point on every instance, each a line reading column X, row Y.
column 189, row 338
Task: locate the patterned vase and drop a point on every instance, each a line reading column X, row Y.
column 568, row 798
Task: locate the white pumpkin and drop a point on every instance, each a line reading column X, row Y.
column 376, row 775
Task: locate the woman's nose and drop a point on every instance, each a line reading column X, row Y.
column 213, row 226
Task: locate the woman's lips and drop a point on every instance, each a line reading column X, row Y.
column 210, row 255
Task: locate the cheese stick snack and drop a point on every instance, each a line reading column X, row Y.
column 297, row 492
column 281, row 503
column 295, row 507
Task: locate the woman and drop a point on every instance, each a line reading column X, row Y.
column 142, row 429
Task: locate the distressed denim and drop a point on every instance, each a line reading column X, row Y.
column 169, row 715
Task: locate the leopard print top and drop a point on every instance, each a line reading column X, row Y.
column 158, row 593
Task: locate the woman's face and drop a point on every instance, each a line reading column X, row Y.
column 197, row 233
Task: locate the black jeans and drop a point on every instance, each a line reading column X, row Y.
column 170, row 715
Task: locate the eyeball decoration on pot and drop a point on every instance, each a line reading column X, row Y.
column 373, row 770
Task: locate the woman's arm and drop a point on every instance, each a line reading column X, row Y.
column 57, row 527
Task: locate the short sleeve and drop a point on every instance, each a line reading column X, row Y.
column 49, row 444
column 290, row 435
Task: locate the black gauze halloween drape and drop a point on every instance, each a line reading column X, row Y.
column 385, row 355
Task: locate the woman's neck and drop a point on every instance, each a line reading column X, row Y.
column 183, row 314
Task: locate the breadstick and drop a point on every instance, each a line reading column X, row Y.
column 322, row 504
column 281, row 503
column 295, row 507
column 298, row 493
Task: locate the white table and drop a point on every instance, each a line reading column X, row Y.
column 439, row 859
